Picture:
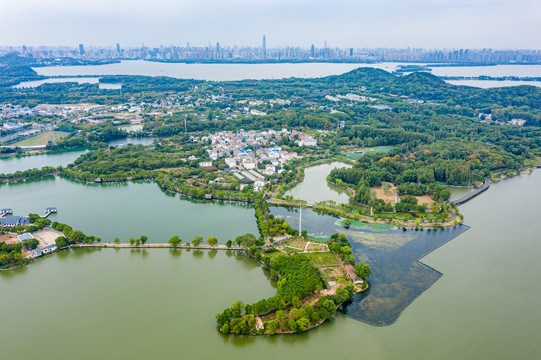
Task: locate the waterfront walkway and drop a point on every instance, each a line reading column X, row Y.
column 158, row 245
column 473, row 194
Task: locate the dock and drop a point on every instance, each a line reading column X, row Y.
column 473, row 194
column 49, row 211
column 4, row 212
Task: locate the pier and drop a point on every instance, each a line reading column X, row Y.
column 4, row 212
column 49, row 211
column 473, row 194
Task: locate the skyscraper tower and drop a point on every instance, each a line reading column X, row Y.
column 118, row 48
column 264, row 47
column 217, row 50
column 81, row 49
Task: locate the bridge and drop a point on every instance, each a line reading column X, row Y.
column 473, row 194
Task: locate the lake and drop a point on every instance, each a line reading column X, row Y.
column 55, row 159
column 232, row 72
column 79, row 80
column 315, row 188
column 487, row 84
column 127, row 210
column 159, row 303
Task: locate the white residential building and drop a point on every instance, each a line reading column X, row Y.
column 231, row 162
column 270, row 170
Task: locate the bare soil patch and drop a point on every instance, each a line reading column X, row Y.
column 425, row 199
column 47, row 236
column 8, row 239
column 387, row 196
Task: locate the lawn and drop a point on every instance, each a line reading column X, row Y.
column 360, row 152
column 43, row 138
column 324, row 259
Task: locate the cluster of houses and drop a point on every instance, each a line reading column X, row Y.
column 244, row 150
column 10, row 221
column 38, row 251
column 487, row 119
column 350, row 97
column 9, row 111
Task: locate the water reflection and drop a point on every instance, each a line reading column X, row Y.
column 398, row 277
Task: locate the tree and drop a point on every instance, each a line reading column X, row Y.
column 272, row 327
column 212, row 241
column 175, row 241
column 117, row 240
column 197, row 240
column 363, row 270
column 143, row 239
column 61, row 242
column 303, row 323
column 292, row 324
column 228, row 243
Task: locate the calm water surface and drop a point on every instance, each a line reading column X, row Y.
column 79, row 80
column 128, row 210
column 315, row 188
column 228, row 72
column 212, row 72
column 123, row 304
column 487, row 84
column 21, row 163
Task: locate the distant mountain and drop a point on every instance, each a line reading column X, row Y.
column 13, row 59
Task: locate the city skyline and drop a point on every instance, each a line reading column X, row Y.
column 478, row 24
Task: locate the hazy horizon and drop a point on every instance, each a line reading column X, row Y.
column 436, row 24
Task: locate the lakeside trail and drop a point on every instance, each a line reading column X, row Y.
column 158, row 245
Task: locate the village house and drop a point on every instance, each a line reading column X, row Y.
column 231, row 162
column 205, row 163
column 12, row 221
column 270, row 170
column 44, row 250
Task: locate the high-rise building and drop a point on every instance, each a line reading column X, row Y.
column 264, row 46
column 313, row 51
column 217, row 50
column 118, row 48
column 81, row 49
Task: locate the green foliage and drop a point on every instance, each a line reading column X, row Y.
column 175, row 241
column 61, row 242
column 197, row 241
column 212, row 241
column 363, row 270
column 30, row 244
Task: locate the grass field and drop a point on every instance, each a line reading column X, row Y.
column 43, row 138
column 324, row 259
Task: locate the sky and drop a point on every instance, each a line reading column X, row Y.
column 502, row 24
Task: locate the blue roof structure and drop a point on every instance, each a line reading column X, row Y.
column 11, row 221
